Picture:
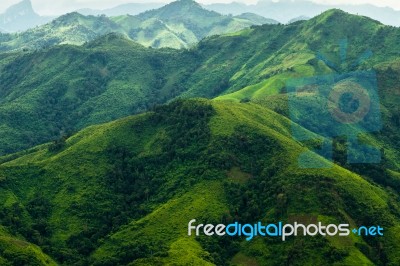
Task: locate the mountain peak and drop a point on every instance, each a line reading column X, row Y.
column 339, row 16
column 179, row 9
column 20, row 17
column 114, row 39
column 22, row 8
column 335, row 12
column 68, row 18
column 183, row 4
column 187, row 2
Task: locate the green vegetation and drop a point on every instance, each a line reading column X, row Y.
column 122, row 193
column 180, row 24
column 14, row 251
column 50, row 93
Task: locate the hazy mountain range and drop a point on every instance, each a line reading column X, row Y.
column 285, row 10
column 179, row 24
column 125, row 9
column 21, row 16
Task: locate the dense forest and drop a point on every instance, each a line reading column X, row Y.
column 109, row 149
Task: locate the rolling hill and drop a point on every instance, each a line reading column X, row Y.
column 281, row 11
column 123, row 192
column 180, row 24
column 53, row 92
column 120, row 10
column 285, row 10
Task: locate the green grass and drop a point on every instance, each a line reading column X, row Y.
column 166, row 226
column 271, row 86
column 21, row 252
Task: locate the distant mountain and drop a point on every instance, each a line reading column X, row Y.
column 83, row 79
column 72, row 28
column 256, row 19
column 285, row 10
column 177, row 25
column 21, row 17
column 300, row 18
column 125, row 9
column 187, row 22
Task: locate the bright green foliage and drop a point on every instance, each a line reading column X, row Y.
column 50, row 93
column 123, row 192
column 14, row 251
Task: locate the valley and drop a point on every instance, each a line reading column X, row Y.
column 110, row 147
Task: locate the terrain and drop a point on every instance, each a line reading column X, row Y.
column 180, row 24
column 109, row 152
column 120, row 10
column 21, row 17
column 123, row 192
column 285, row 10
column 53, row 92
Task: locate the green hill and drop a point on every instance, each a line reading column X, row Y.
column 256, row 18
column 50, row 93
column 72, row 87
column 14, row 251
column 180, row 24
column 123, row 192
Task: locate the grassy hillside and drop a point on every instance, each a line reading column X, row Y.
column 177, row 25
column 123, row 192
column 14, row 251
column 48, row 94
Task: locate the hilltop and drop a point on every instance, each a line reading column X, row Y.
column 285, row 11
column 179, row 24
column 65, row 88
column 123, row 192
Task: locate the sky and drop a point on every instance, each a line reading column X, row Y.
column 58, row 7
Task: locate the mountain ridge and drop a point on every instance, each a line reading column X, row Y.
column 21, row 17
column 272, row 9
column 177, row 25
column 124, row 9
column 105, row 187
column 284, row 11
column 213, row 140
column 253, row 72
